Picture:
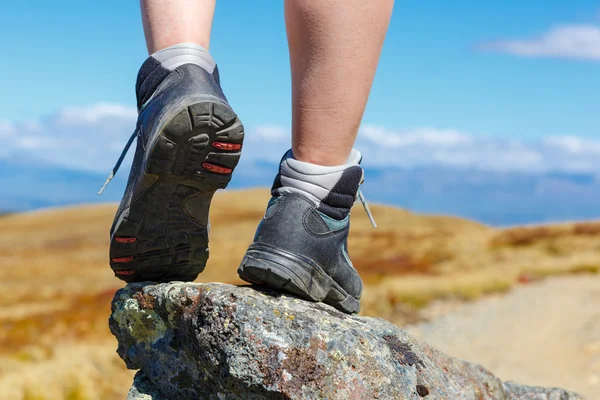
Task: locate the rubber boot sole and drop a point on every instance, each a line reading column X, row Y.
column 281, row 270
column 163, row 235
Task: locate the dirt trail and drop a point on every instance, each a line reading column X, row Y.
column 545, row 334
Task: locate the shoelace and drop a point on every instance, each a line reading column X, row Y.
column 360, row 195
column 362, row 199
column 119, row 161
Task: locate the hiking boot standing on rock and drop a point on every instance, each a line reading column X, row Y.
column 189, row 141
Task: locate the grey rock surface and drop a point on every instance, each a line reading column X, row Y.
column 143, row 389
column 515, row 391
column 217, row 341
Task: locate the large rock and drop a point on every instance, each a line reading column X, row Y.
column 216, row 341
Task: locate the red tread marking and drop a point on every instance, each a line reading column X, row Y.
column 125, row 272
column 226, row 146
column 123, row 259
column 125, row 239
column 216, row 168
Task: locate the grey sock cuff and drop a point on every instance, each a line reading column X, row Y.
column 185, row 53
column 315, row 169
column 316, row 180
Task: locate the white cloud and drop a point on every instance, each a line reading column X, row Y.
column 581, row 42
column 94, row 114
column 421, row 136
column 29, row 142
column 449, row 147
column 91, row 138
column 574, row 144
column 272, row 132
column 86, row 138
column 6, row 130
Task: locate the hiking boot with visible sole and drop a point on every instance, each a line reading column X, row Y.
column 188, row 143
column 300, row 245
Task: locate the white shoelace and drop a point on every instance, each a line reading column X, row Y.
column 362, row 199
column 119, row 161
column 360, row 195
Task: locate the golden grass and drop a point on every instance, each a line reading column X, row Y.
column 56, row 285
column 76, row 371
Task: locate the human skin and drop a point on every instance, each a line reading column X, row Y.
column 334, row 48
column 168, row 22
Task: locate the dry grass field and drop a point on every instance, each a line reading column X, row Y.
column 56, row 285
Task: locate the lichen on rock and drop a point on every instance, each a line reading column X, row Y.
column 218, row 341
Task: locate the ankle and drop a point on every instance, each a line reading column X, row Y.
column 314, row 156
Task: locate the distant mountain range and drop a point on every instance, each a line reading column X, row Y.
column 495, row 198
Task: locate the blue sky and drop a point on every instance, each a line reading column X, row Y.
column 489, row 77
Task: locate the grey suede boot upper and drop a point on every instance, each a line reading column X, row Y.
column 293, row 223
column 301, row 243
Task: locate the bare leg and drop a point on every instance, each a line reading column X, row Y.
column 168, row 22
column 334, row 50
